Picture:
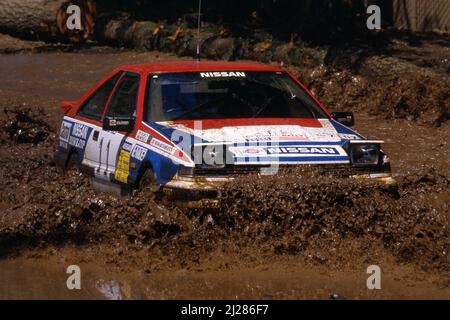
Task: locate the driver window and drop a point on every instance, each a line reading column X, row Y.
column 124, row 100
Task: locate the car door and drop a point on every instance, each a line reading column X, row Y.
column 123, row 103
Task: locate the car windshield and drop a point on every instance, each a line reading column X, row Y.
column 225, row 95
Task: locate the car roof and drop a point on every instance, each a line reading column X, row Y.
column 193, row 66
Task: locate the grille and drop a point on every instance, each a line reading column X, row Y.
column 228, row 170
column 338, row 170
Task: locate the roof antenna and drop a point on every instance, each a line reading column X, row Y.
column 198, row 29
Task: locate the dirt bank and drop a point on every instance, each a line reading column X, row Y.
column 416, row 97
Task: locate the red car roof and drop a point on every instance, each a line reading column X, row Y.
column 192, row 65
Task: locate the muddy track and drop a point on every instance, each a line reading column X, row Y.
column 298, row 212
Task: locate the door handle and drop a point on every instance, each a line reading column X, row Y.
column 95, row 135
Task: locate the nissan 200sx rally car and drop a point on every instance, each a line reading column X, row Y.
column 187, row 127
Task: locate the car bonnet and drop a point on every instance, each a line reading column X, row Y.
column 266, row 140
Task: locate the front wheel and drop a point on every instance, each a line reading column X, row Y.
column 147, row 181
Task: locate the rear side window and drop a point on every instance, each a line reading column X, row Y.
column 93, row 107
column 124, row 99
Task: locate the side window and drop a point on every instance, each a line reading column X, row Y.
column 93, row 107
column 124, row 99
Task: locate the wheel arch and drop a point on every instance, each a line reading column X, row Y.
column 145, row 165
column 73, row 152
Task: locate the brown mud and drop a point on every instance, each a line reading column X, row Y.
column 403, row 77
column 421, row 98
column 297, row 235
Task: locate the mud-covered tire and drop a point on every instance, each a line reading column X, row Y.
column 72, row 163
column 147, row 181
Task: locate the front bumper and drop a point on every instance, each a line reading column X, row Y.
column 201, row 191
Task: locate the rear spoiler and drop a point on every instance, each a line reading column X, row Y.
column 67, row 105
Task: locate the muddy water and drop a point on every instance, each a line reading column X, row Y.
column 27, row 279
column 30, row 278
column 267, row 241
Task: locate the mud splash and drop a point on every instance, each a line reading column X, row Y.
column 298, row 212
column 25, row 126
column 312, row 215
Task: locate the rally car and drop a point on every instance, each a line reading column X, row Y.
column 187, row 127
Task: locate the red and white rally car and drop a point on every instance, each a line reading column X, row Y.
column 193, row 125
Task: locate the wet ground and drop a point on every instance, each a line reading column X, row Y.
column 271, row 237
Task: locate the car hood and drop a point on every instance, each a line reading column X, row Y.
column 258, row 130
column 290, row 140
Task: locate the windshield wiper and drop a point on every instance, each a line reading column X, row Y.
column 263, row 107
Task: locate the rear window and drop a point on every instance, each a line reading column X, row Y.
column 93, row 107
column 222, row 95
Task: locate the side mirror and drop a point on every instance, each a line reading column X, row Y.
column 346, row 118
column 118, row 123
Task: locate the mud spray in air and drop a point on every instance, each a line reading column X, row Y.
column 328, row 220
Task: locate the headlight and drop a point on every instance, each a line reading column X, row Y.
column 185, row 171
column 363, row 153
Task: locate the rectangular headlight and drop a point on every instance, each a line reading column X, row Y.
column 363, row 153
column 185, row 171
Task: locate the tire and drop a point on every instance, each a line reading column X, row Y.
column 147, row 181
column 72, row 162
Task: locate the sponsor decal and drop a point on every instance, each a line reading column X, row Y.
column 118, row 122
column 65, row 131
column 162, row 146
column 248, row 151
column 78, row 136
column 142, row 136
column 123, row 167
column 287, row 151
column 139, row 152
column 222, row 74
column 77, row 142
column 302, row 150
column 266, row 133
column 80, row 131
column 126, row 146
column 348, row 136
